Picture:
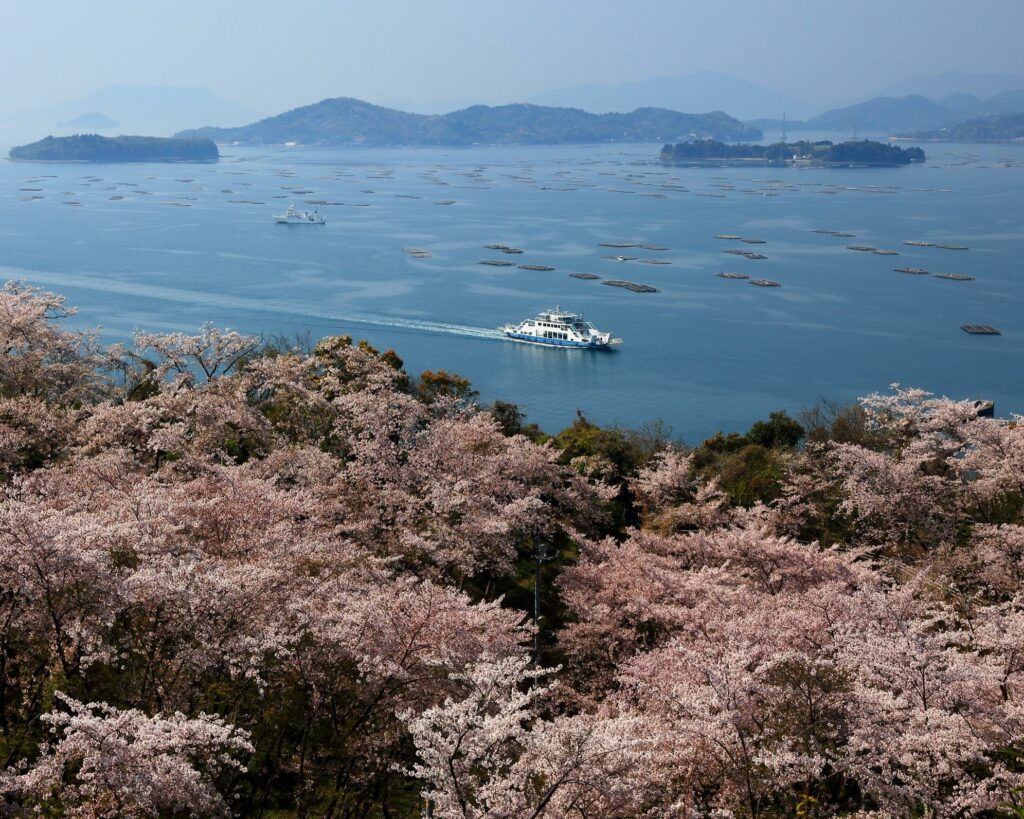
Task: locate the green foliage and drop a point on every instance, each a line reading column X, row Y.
column 619, row 448
column 780, row 430
column 613, row 455
column 95, row 148
column 443, row 384
column 510, row 420
column 753, row 473
column 750, row 467
column 712, row 449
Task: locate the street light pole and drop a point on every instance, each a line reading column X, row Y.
column 541, row 556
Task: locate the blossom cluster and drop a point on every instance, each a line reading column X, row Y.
column 246, row 580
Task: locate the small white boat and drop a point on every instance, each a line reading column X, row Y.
column 559, row 328
column 295, row 217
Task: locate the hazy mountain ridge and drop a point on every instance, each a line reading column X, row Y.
column 994, row 128
column 884, row 114
column 948, row 83
column 914, row 113
column 347, row 121
column 139, row 109
column 95, row 120
column 703, row 91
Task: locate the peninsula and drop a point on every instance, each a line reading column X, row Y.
column 346, row 121
column 998, row 128
column 95, row 148
column 862, row 152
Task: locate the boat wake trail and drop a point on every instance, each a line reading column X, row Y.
column 423, row 325
column 232, row 303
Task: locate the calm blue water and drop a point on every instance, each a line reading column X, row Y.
column 703, row 354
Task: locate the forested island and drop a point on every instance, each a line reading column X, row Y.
column 96, row 148
column 824, row 152
column 292, row 579
column 346, row 121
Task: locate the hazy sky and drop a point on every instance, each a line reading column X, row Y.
column 276, row 54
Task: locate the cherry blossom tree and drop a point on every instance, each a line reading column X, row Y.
column 486, row 754
column 107, row 762
column 39, row 359
column 211, row 353
column 276, row 580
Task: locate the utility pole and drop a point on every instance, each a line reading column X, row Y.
column 783, row 126
column 541, row 556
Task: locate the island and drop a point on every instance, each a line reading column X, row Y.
column 95, row 148
column 346, row 121
column 860, row 152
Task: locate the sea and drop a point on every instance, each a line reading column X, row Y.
column 167, row 247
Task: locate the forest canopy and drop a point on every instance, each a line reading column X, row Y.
column 95, row 148
column 862, row 152
column 288, row 579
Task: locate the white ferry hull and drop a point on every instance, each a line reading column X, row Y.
column 557, row 342
column 559, row 328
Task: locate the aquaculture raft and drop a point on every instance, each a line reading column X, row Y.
column 636, row 288
column 981, row 329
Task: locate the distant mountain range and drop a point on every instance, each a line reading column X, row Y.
column 704, row 91
column 918, row 105
column 346, row 121
column 949, row 83
column 94, row 121
column 996, row 128
column 888, row 115
column 136, row 109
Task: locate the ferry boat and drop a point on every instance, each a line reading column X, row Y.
column 294, row 217
column 560, row 328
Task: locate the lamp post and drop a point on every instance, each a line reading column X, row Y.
column 540, row 556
